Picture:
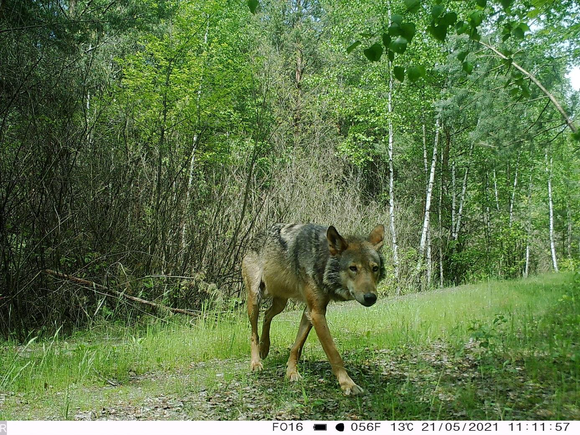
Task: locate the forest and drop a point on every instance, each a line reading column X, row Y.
column 145, row 143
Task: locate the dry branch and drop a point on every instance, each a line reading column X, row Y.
column 111, row 292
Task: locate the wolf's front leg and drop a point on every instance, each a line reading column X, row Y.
column 318, row 319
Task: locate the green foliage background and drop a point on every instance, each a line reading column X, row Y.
column 144, row 143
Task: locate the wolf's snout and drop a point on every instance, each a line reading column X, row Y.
column 370, row 299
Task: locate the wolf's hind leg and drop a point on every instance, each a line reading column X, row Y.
column 252, row 279
column 303, row 330
column 278, row 305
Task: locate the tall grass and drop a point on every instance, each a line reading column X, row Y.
column 500, row 314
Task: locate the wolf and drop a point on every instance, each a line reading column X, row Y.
column 313, row 264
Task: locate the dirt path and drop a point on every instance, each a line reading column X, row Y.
column 431, row 384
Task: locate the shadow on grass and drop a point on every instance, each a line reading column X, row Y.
column 430, row 384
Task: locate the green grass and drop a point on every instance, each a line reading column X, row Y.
column 495, row 350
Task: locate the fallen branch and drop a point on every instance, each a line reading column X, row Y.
column 94, row 285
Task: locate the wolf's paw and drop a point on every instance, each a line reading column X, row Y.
column 264, row 349
column 293, row 375
column 352, row 390
column 256, row 366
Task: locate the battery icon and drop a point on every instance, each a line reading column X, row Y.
column 320, row 426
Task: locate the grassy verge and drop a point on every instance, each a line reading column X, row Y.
column 496, row 350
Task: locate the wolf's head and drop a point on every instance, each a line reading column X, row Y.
column 358, row 263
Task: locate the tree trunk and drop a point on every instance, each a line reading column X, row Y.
column 298, row 76
column 462, row 197
column 392, row 183
column 426, row 168
column 569, row 229
column 495, row 190
column 551, row 208
column 194, row 148
column 453, row 200
column 529, row 228
column 425, row 231
column 441, row 278
column 513, row 197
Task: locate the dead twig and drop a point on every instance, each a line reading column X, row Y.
column 111, row 292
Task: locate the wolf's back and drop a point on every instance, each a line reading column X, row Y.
column 303, row 247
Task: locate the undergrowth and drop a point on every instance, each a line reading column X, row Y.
column 494, row 350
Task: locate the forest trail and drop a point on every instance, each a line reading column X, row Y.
column 431, row 384
column 490, row 351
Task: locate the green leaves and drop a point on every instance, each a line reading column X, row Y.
column 386, row 40
column 408, row 31
column 448, row 19
column 518, row 32
column 441, row 21
column 412, row 5
column 399, row 72
column 506, row 4
column 481, row 3
column 253, row 5
column 394, row 40
column 522, row 88
column 436, row 11
column 416, row 72
column 396, row 18
column 399, row 45
column 476, row 18
column 462, row 55
column 374, row 52
column 461, row 27
column 351, row 47
column 438, row 32
column 511, row 29
column 467, row 67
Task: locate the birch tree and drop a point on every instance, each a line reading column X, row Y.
column 429, row 193
column 551, row 211
column 457, row 225
column 195, row 140
column 392, row 182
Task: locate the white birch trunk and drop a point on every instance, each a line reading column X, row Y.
column 426, row 168
column 425, row 231
column 495, row 191
column 462, row 197
column 192, row 157
column 551, row 208
column 453, row 199
column 441, row 233
column 513, row 197
column 428, row 258
column 425, row 163
column 529, row 229
column 392, row 181
column 570, row 226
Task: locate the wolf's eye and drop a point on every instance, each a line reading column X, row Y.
column 375, row 269
column 353, row 268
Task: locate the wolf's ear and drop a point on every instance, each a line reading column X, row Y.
column 377, row 236
column 336, row 244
